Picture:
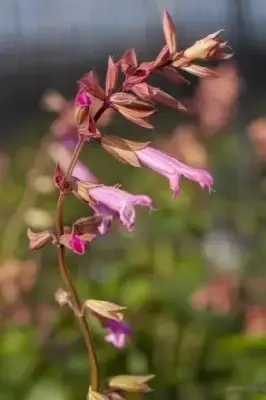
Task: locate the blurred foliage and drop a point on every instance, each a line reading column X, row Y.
column 154, row 271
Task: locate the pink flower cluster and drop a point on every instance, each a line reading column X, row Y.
column 136, row 101
column 113, row 203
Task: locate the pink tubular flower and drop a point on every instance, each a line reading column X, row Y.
column 78, row 245
column 173, row 169
column 116, row 203
column 117, row 332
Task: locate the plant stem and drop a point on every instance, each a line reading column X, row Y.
column 94, row 369
column 76, row 300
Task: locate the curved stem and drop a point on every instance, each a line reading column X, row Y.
column 69, row 281
column 76, row 300
column 100, row 111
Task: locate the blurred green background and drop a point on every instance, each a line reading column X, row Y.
column 192, row 274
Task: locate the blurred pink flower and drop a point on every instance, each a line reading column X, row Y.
column 257, row 135
column 60, row 154
column 216, row 99
column 256, row 321
column 20, row 314
column 17, row 277
column 117, row 332
column 217, row 296
column 184, row 145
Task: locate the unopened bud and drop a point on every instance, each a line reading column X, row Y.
column 82, row 105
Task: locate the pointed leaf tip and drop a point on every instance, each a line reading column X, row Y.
column 111, row 77
column 39, row 239
column 123, row 150
column 104, row 309
column 89, row 82
column 169, row 32
column 131, row 383
column 128, row 62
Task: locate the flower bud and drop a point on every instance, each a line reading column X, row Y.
column 82, row 104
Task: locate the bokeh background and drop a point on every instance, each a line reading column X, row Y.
column 192, row 274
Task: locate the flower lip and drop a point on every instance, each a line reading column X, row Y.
column 118, row 204
column 119, row 327
column 117, row 331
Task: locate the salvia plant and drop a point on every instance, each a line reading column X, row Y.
column 128, row 92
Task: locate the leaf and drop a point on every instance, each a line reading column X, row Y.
column 173, row 75
column 53, row 101
column 90, row 84
column 202, row 72
column 87, row 225
column 81, row 190
column 169, row 32
column 39, row 239
column 165, row 98
column 162, row 57
column 134, row 146
column 178, row 60
column 123, row 99
column 144, row 91
column 132, row 108
column 130, row 57
column 88, row 237
column 138, row 107
column 215, row 34
column 111, row 77
column 141, row 121
column 131, row 383
column 123, row 150
column 140, row 74
column 104, row 309
column 129, row 62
